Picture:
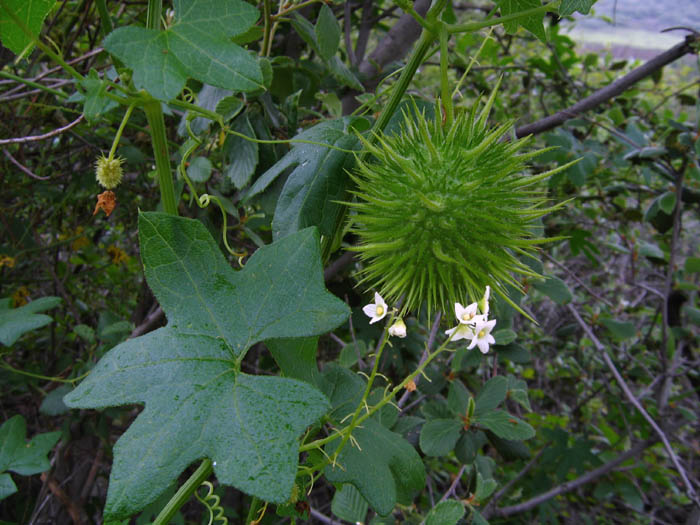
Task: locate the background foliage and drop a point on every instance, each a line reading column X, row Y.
column 569, row 415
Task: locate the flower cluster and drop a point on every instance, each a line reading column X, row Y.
column 378, row 310
column 473, row 325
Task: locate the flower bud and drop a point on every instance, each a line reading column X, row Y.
column 398, row 329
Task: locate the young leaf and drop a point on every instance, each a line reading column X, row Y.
column 327, row 33
column 199, row 169
column 197, row 401
column 96, row 102
column 439, row 436
column 532, row 23
column 555, row 289
column 379, row 463
column 484, row 487
column 383, row 466
column 19, row 456
column 505, row 426
column 620, row 329
column 349, row 505
column 15, row 322
column 296, row 357
column 568, row 7
column 517, row 391
column 318, row 181
column 491, row 395
column 445, row 513
column 241, row 155
column 32, row 13
column 198, row 45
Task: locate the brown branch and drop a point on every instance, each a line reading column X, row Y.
column 153, row 321
column 611, row 90
column 394, row 46
column 574, row 484
column 23, row 168
column 32, row 138
column 488, row 509
column 690, row 490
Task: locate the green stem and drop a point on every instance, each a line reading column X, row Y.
column 105, row 19
column 39, row 376
column 154, row 115
column 444, row 80
column 475, row 26
column 184, row 493
column 391, row 395
column 118, row 136
column 363, row 402
column 267, row 26
column 30, row 83
column 155, row 8
column 46, row 49
column 254, row 506
column 211, row 115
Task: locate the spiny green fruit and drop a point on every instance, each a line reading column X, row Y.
column 442, row 211
column 108, row 171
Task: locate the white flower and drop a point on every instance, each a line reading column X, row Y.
column 376, row 311
column 482, row 335
column 461, row 331
column 398, row 329
column 466, row 315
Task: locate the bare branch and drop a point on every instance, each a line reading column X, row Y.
column 23, row 168
column 690, row 490
column 574, row 484
column 611, row 90
column 32, row 138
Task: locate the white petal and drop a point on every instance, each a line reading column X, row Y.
column 483, row 346
column 370, row 310
column 379, row 301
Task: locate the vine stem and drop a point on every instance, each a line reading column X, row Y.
column 118, row 135
column 419, row 370
column 254, row 506
column 444, row 79
column 184, row 493
column 475, row 26
column 365, row 395
column 154, row 115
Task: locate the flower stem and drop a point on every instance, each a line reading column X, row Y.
column 154, row 115
column 184, row 493
column 118, row 135
column 387, row 398
column 363, row 402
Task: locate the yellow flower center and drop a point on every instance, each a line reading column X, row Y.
column 481, row 334
column 466, row 316
column 380, row 310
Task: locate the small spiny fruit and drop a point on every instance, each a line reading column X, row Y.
column 109, row 171
column 441, row 211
